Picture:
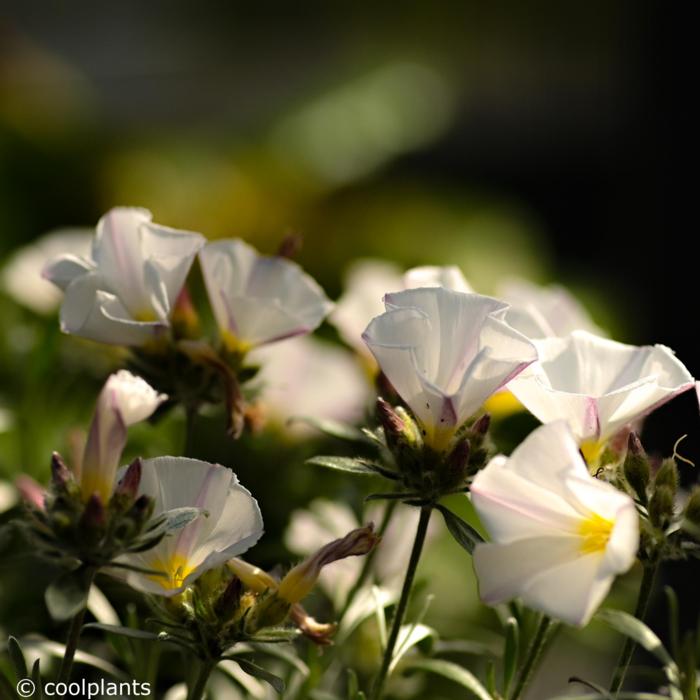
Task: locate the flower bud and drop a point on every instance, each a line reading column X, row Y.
column 636, row 467
column 667, row 475
column 299, row 582
column 457, row 463
column 60, row 474
column 128, row 486
column 482, row 425
column 30, row 491
column 394, row 427
column 184, row 319
column 252, row 577
column 94, row 517
column 142, row 509
column 229, row 601
column 661, row 506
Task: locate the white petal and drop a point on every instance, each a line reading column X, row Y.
column 62, row 271
column 598, row 385
column 547, row 573
column 89, row 312
column 448, row 276
column 260, row 299
column 133, row 397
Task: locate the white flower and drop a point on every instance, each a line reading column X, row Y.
column 232, row 523
column 445, row 353
column 544, row 312
column 258, row 299
column 124, row 400
column 559, row 536
column 307, row 377
column 125, row 292
column 21, row 275
column 366, row 283
column 598, row 385
column 447, row 276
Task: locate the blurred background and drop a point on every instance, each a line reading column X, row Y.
column 541, row 140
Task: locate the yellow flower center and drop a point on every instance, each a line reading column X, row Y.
column 176, row 570
column 592, row 449
column 595, row 533
column 145, row 316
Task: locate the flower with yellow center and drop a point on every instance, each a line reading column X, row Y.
column 558, row 535
column 230, row 525
column 259, row 299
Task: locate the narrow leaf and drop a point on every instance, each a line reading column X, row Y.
column 463, row 532
column 122, row 631
column 510, row 653
column 409, row 636
column 258, row 672
column 453, row 672
column 19, row 665
column 332, row 428
column 342, row 464
column 38, row 684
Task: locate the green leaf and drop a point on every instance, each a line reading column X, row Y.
column 68, row 594
column 285, row 656
column 130, row 632
column 620, row 696
column 353, row 685
column 332, row 428
column 409, row 636
column 257, row 672
column 510, row 653
column 464, row 534
column 635, row 629
column 38, row 684
column 19, row 665
column 275, row 635
column 672, row 600
column 343, row 464
column 453, row 672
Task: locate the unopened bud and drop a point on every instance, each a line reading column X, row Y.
column 128, row 486
column 391, row 422
column 482, row 425
column 636, row 467
column 299, row 582
column 661, row 506
column 142, row 509
column 60, row 474
column 94, row 516
column 184, row 319
column 692, row 507
column 229, row 601
column 253, row 577
column 457, row 462
column 667, row 475
column 30, row 491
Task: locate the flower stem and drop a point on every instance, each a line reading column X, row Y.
column 645, row 589
column 378, row 687
column 533, row 656
column 368, row 561
column 198, row 688
column 76, row 627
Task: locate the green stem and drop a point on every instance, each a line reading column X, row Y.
column 76, row 627
column 368, row 561
column 645, row 589
column 533, row 656
column 198, row 688
column 378, row 687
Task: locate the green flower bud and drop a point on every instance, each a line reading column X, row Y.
column 692, row 508
column 667, row 475
column 636, row 467
column 661, row 506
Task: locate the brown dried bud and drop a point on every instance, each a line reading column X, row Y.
column 634, row 445
column 94, row 516
column 318, row 632
column 298, row 583
column 229, row 601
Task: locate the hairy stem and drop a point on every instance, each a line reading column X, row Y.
column 378, row 687
column 623, row 664
column 533, row 656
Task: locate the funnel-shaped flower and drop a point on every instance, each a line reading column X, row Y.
column 445, row 353
column 124, row 400
column 258, row 299
column 231, row 524
column 124, row 294
column 545, row 312
column 559, row 536
column 597, row 385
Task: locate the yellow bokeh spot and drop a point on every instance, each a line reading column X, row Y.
column 176, row 570
column 595, row 532
column 502, row 404
column 591, row 450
